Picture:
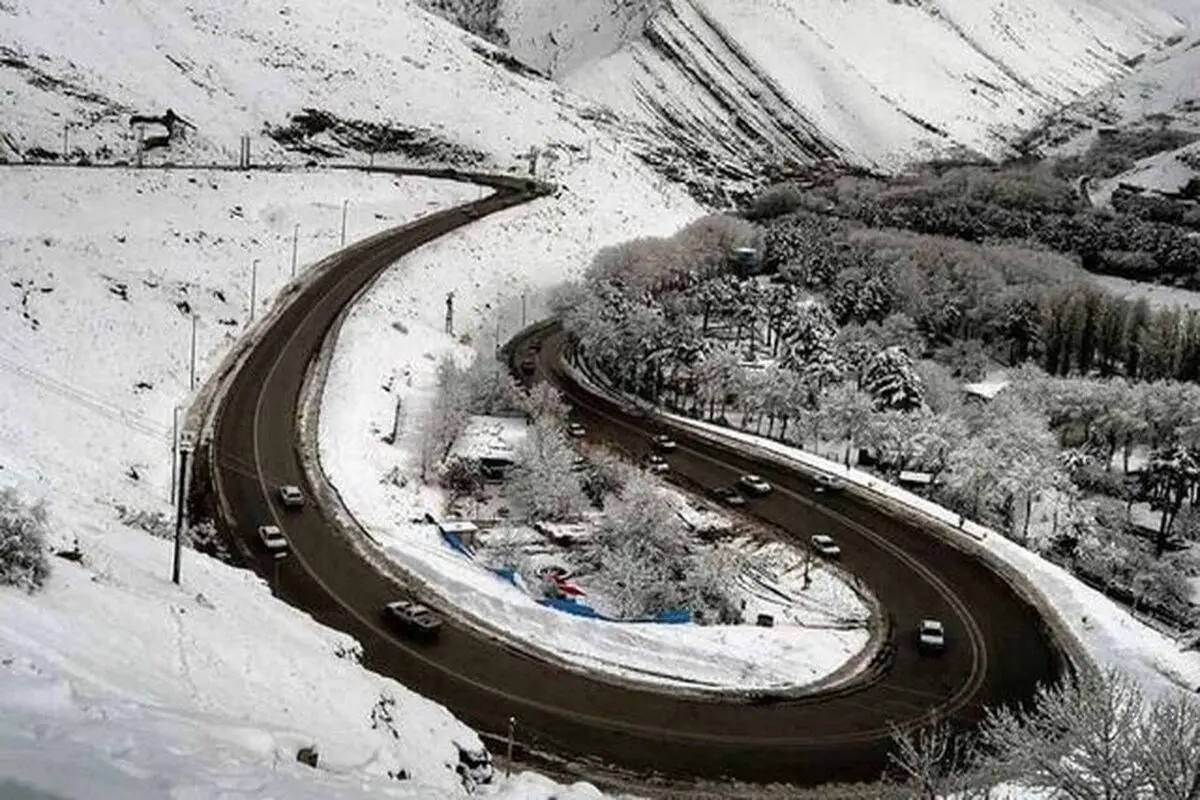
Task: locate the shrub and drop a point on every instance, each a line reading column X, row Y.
column 775, row 201
column 23, row 559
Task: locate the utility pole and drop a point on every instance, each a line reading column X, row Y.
column 345, row 206
column 66, row 145
column 192, row 371
column 140, row 144
column 253, row 288
column 512, row 731
column 295, row 246
column 523, row 294
column 174, row 449
column 185, row 449
column 396, row 420
column 450, row 313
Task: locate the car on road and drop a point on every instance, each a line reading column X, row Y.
column 828, row 483
column 729, row 496
column 291, row 496
column 656, row 464
column 754, row 484
column 931, row 636
column 664, row 443
column 273, row 538
column 412, row 618
column 528, row 365
column 576, row 431
column 825, row 545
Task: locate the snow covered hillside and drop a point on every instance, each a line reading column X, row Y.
column 113, row 681
column 1162, row 90
column 872, row 81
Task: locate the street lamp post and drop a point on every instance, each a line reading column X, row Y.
column 253, row 288
column 277, row 559
column 345, row 207
column 512, row 730
column 185, row 449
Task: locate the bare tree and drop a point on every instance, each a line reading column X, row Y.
column 543, row 401
column 1169, row 749
column 1082, row 740
column 935, row 763
column 543, row 483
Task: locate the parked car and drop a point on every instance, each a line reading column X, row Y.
column 413, row 619
column 291, row 496
column 931, row 636
column 657, row 464
column 664, row 443
column 825, row 545
column 754, row 484
column 528, row 365
column 729, row 496
column 273, row 538
column 577, row 431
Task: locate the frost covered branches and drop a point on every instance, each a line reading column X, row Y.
column 483, row 387
column 23, row 560
column 1091, row 738
column 646, row 565
column 1096, row 738
column 698, row 251
column 543, row 483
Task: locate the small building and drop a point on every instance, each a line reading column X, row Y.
column 492, row 442
column 460, row 534
column 984, row 391
column 915, row 479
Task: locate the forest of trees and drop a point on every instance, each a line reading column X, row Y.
column 863, row 338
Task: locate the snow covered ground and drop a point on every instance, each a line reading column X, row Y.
column 489, row 266
column 878, row 81
column 113, row 681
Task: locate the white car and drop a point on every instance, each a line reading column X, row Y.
column 657, row 464
column 931, row 635
column 754, row 484
column 664, row 443
column 273, row 538
column 576, row 431
column 291, row 496
column 825, row 545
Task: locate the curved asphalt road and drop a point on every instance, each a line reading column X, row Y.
column 998, row 646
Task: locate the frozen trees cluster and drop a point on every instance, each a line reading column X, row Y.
column 641, row 556
column 1092, row 738
column 23, row 559
column 856, row 344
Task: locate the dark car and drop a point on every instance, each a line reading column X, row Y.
column 413, row 619
column 729, row 496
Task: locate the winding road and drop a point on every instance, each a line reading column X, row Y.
column 998, row 646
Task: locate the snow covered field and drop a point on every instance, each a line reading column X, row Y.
column 113, row 677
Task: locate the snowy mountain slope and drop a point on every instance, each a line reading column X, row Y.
column 113, row 681
column 869, row 80
column 232, row 68
column 1162, row 87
